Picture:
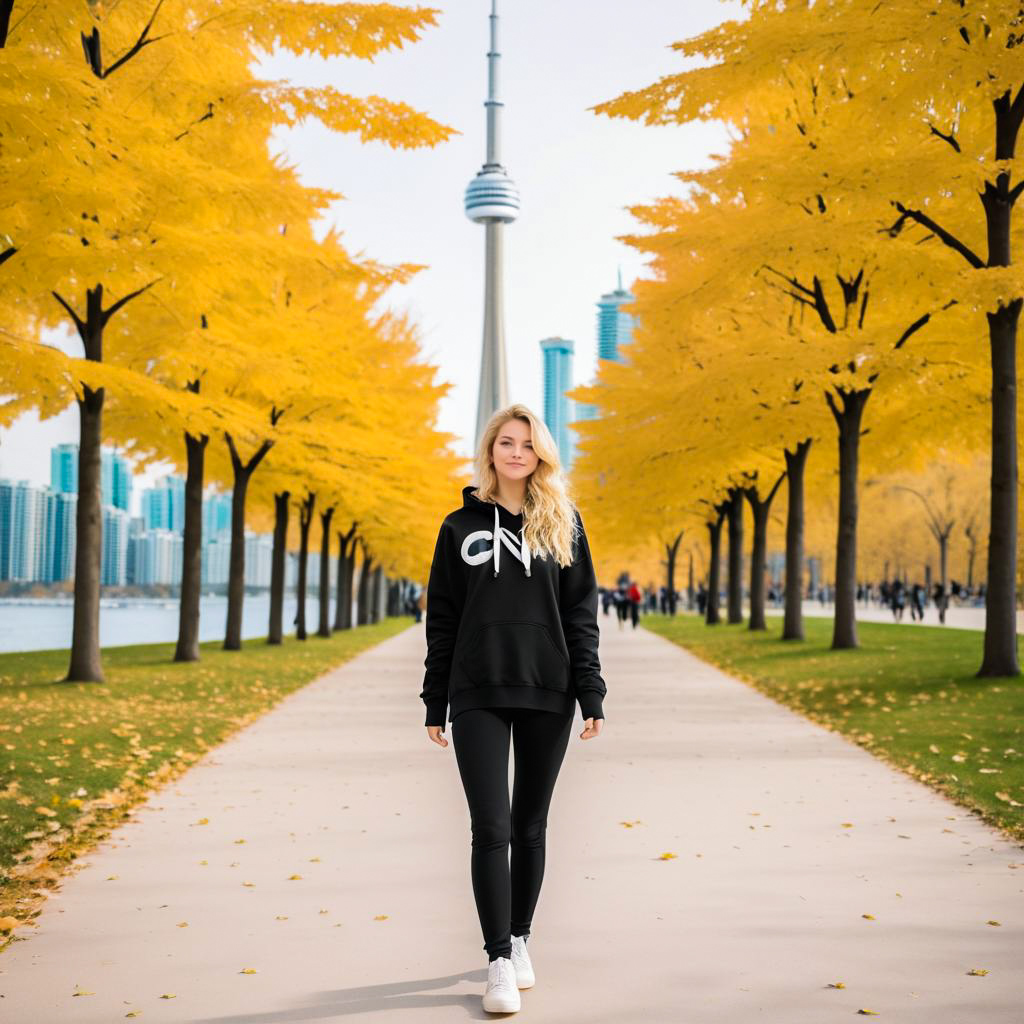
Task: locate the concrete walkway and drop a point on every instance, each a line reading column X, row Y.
column 326, row 849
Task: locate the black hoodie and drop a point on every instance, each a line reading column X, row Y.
column 505, row 629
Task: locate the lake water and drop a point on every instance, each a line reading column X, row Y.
column 46, row 625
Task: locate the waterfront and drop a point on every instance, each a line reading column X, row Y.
column 45, row 624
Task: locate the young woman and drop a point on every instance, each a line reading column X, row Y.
column 511, row 646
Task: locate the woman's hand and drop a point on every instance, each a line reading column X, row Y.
column 434, row 732
column 592, row 728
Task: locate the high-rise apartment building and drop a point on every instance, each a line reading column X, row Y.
column 64, row 469
column 116, row 479
column 163, row 505
column 558, row 407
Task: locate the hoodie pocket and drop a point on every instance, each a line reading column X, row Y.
column 515, row 654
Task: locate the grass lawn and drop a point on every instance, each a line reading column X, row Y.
column 908, row 694
column 74, row 757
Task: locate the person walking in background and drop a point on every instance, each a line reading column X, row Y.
column 621, row 604
column 635, row 598
column 917, row 602
column 512, row 645
column 898, row 599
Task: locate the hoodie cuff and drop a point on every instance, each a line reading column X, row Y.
column 435, row 712
column 591, row 705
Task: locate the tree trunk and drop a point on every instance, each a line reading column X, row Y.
column 278, row 568
column 363, row 597
column 760, row 508
column 243, row 472
column 1000, row 657
column 943, row 601
column 712, row 616
column 85, row 663
column 192, row 556
column 350, row 582
column 376, row 583
column 342, row 619
column 848, row 420
column 735, row 519
column 305, row 521
column 793, row 617
column 325, row 573
column 689, row 586
column 671, row 554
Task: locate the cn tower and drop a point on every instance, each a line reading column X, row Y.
column 492, row 199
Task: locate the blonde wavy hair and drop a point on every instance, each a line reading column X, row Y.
column 549, row 521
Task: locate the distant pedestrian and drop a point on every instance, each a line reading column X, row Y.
column 917, row 602
column 897, row 599
column 635, row 598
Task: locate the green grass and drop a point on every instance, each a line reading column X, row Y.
column 908, row 694
column 75, row 756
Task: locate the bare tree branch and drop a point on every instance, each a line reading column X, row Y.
column 940, row 232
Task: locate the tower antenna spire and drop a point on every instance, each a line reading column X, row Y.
column 492, row 199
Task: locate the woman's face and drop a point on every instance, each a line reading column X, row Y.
column 512, row 451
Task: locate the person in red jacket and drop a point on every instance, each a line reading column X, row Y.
column 512, row 640
column 635, row 597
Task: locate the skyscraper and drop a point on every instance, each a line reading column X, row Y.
column 64, row 468
column 614, row 330
column 558, row 407
column 492, row 199
column 163, row 505
column 614, row 327
column 116, row 480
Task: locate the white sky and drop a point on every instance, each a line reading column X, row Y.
column 576, row 173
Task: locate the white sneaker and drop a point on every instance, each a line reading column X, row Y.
column 501, row 996
column 521, row 962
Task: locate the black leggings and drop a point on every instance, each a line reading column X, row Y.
column 506, row 899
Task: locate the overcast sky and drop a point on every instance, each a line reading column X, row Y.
column 576, row 173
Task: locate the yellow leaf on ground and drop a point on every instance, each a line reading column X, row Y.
column 247, row 970
column 836, row 984
column 866, row 1012
column 995, row 924
column 978, row 972
column 8, row 924
column 868, row 917
column 381, row 917
column 203, row 821
column 668, row 855
column 295, row 878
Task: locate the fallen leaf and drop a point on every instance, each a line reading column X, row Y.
column 668, row 855
column 295, row 878
column 169, row 995
column 995, row 924
column 836, row 984
column 847, row 824
column 201, row 821
column 381, row 917
column 182, row 924
column 978, row 972
column 867, row 1013
column 868, row 917
column 82, row 992
column 8, row 924
column 247, row 970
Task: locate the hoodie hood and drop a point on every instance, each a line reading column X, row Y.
column 499, row 534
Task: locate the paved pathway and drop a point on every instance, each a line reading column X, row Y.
column 760, row 910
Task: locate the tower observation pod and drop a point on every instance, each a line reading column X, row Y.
column 492, row 199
